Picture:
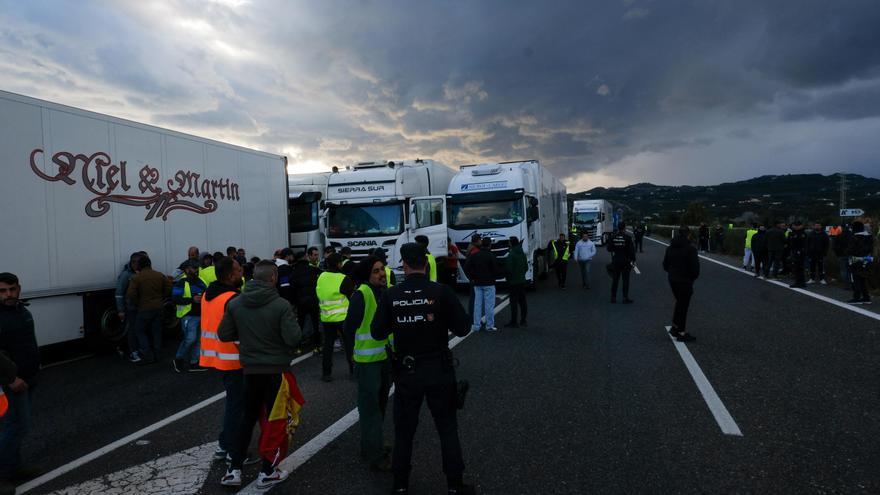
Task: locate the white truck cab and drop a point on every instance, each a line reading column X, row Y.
column 593, row 216
column 306, row 192
column 386, row 204
column 503, row 200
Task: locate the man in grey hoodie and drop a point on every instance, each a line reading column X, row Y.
column 264, row 324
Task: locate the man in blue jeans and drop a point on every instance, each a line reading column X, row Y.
column 148, row 290
column 19, row 343
column 482, row 270
column 187, row 295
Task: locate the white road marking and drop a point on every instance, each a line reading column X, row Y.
column 313, row 446
column 66, row 361
column 180, row 473
column 850, row 307
column 721, row 414
column 51, row 475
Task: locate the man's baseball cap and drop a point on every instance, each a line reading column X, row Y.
column 413, row 254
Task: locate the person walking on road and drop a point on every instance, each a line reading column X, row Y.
column 840, row 245
column 187, row 295
column 420, row 313
column 18, row 342
column 561, row 253
column 482, row 270
column 304, row 280
column 704, row 238
column 775, row 248
column 516, row 266
column 126, row 310
column 623, row 257
column 638, row 237
column 860, row 250
column 371, row 365
column 759, row 252
column 584, row 251
column 148, row 290
column 748, row 252
column 682, row 264
column 334, row 290
column 223, row 356
column 797, row 242
column 818, row 243
column 264, row 325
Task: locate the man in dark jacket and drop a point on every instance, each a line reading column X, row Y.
column 638, row 237
column 797, row 243
column 775, row 248
column 263, row 324
column 683, row 267
column 759, row 252
column 704, row 237
column 840, row 245
column 623, row 256
column 148, row 291
column 516, row 265
column 817, row 248
column 482, row 270
column 19, row 343
column 125, row 309
column 304, row 279
column 285, row 275
column 860, row 249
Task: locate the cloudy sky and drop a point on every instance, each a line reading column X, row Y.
column 605, row 92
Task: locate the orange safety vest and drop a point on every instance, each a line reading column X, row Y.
column 214, row 353
column 4, row 403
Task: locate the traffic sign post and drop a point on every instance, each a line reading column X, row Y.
column 851, row 212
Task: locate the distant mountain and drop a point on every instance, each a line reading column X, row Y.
column 808, row 197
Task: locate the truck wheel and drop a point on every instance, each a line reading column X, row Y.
column 111, row 328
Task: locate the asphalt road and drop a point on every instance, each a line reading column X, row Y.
column 592, row 397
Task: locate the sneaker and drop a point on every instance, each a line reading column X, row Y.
column 178, row 366
column 811, row 281
column 866, row 301
column 134, row 357
column 492, row 329
column 823, row 282
column 231, row 478
column 475, row 329
column 220, row 454
column 266, row 480
column 196, row 368
column 854, row 301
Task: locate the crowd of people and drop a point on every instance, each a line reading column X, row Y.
column 794, row 250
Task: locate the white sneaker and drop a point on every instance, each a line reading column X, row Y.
column 266, row 480
column 492, row 329
column 811, row 281
column 823, row 282
column 231, row 478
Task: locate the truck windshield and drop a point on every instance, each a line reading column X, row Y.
column 490, row 214
column 365, row 220
column 586, row 216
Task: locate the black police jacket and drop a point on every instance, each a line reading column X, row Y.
column 419, row 313
column 622, row 249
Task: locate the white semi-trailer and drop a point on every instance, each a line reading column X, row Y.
column 593, row 216
column 510, row 199
column 306, row 192
column 386, row 204
column 82, row 191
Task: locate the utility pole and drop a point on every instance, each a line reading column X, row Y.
column 842, row 191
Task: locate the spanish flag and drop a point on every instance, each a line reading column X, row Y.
column 278, row 424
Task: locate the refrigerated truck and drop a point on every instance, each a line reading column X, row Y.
column 509, row 199
column 387, row 203
column 593, row 216
column 81, row 191
column 306, row 192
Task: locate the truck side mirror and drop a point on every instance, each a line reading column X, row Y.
column 601, row 216
column 532, row 214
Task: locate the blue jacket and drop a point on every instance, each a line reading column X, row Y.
column 122, row 302
column 196, row 287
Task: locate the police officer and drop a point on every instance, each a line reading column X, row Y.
column 623, row 255
column 420, row 313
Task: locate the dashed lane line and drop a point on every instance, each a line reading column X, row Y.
column 313, row 446
column 854, row 309
column 716, row 407
column 70, row 466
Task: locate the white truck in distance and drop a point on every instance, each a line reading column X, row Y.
column 82, row 191
column 386, row 204
column 593, row 216
column 305, row 194
column 509, row 199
